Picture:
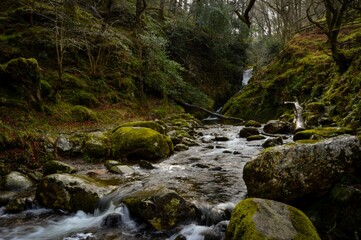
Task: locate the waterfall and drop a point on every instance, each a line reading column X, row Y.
column 247, row 74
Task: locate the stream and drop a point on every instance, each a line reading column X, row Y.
column 209, row 175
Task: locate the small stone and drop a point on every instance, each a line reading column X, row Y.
column 180, row 147
column 146, row 165
column 111, row 163
column 122, row 169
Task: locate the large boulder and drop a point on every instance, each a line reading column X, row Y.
column 16, row 181
column 256, row 218
column 161, row 207
column 276, row 126
column 140, row 142
column 70, row 192
column 248, row 131
column 294, row 171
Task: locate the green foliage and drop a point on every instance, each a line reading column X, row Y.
column 264, row 50
column 303, row 70
column 161, row 73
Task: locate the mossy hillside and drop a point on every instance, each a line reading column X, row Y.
column 303, row 70
column 116, row 82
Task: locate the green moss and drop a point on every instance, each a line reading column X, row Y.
column 307, row 141
column 255, row 137
column 135, row 142
column 241, row 225
column 147, row 124
column 315, row 107
column 304, row 227
column 321, row 133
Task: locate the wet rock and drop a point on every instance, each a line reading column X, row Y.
column 255, row 137
column 139, row 142
column 322, row 133
column 146, row 165
column 111, row 163
column 58, row 167
column 291, row 172
column 271, row 142
column 256, row 218
column 112, row 220
column 161, row 207
column 277, row 127
column 178, row 135
column 6, row 196
column 212, row 215
column 199, row 165
column 180, row 147
column 96, row 145
column 248, row 131
column 221, row 139
column 17, row 205
column 189, row 142
column 252, row 123
column 70, row 192
column 70, row 145
column 122, row 169
column 16, row 181
column 206, row 139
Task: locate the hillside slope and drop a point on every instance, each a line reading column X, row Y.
column 304, row 70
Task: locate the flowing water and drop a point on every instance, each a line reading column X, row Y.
column 247, row 74
column 210, row 175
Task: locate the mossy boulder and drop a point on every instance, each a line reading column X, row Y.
column 58, row 167
column 70, row 192
column 276, row 126
column 96, row 145
column 271, row 142
column 322, row 133
column 248, row 131
column 140, row 142
column 147, row 124
column 16, row 181
column 256, row 218
column 161, row 207
column 292, row 172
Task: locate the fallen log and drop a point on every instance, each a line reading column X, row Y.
column 240, row 120
column 298, row 119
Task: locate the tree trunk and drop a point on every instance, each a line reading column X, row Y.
column 298, row 119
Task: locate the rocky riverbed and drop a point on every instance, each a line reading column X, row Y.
column 184, row 185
